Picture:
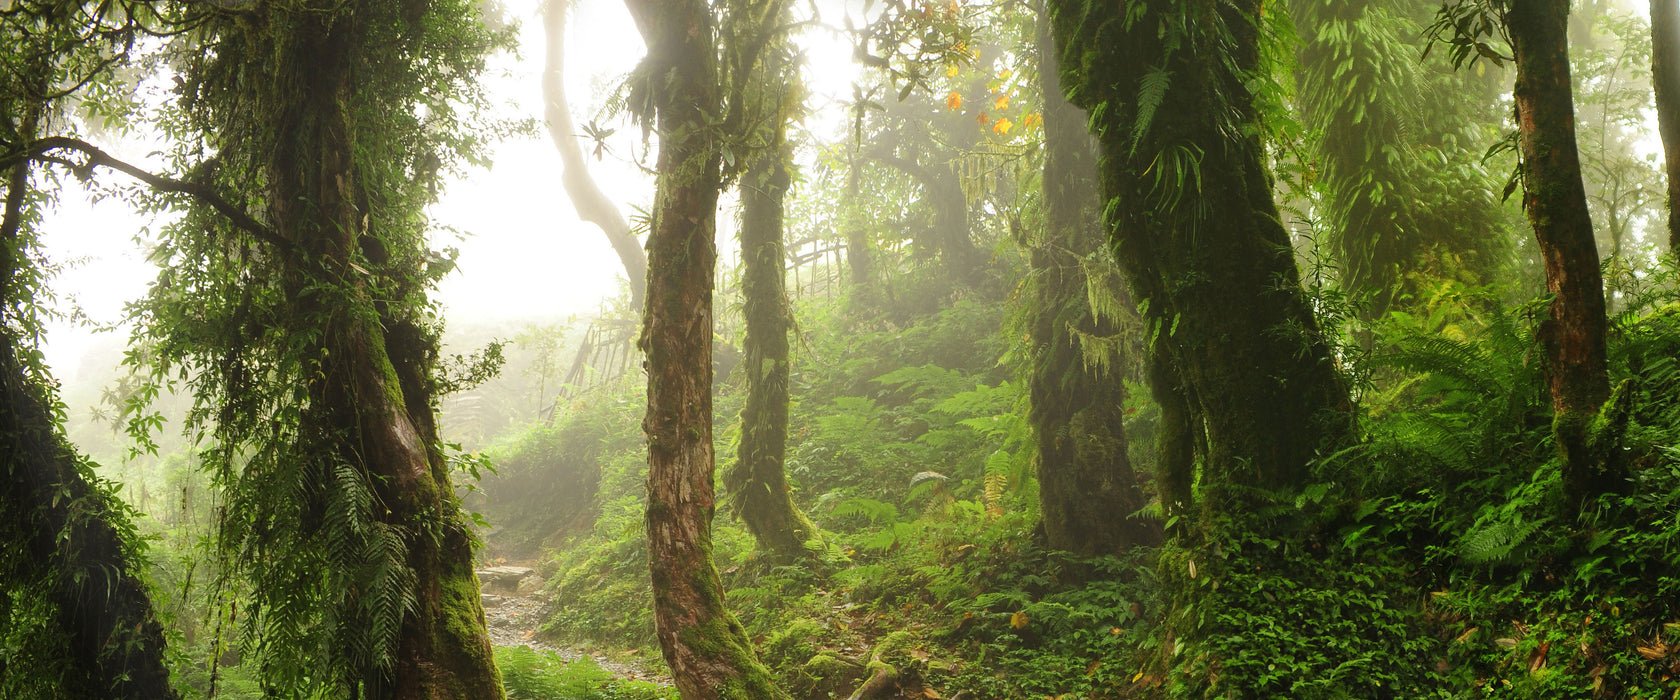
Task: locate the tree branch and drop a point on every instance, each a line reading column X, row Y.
column 41, row 149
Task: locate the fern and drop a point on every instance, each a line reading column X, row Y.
column 1152, row 90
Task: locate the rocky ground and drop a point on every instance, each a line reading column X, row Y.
column 514, row 609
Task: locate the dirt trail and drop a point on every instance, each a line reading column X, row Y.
column 513, row 614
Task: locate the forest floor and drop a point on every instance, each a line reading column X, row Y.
column 513, row 619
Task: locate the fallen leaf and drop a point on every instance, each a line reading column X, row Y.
column 1018, row 620
column 930, row 693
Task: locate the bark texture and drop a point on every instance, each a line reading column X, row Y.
column 1086, row 485
column 1665, row 79
column 1556, row 203
column 1195, row 229
column 374, row 361
column 591, row 203
column 64, row 524
column 758, row 480
column 705, row 647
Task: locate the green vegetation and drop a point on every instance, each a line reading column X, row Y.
column 1104, row 349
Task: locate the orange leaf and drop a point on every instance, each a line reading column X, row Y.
column 953, row 101
column 983, row 118
column 1032, row 121
column 1002, row 125
column 1018, row 620
column 1001, row 103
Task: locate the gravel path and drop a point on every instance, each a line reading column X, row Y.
column 513, row 620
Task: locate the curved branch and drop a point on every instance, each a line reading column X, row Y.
column 591, row 204
column 40, row 151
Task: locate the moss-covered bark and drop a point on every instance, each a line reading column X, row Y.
column 1086, row 487
column 1556, row 203
column 1195, row 228
column 373, row 363
column 707, row 650
column 58, row 530
column 757, row 481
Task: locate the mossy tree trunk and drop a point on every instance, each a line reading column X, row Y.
column 375, row 362
column 757, row 481
column 1194, row 226
column 705, row 647
column 60, row 530
column 1665, row 79
column 1556, row 202
column 1086, row 485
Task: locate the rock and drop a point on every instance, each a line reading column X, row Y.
column 529, row 585
column 490, row 601
column 504, row 579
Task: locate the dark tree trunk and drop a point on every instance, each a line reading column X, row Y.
column 707, row 650
column 65, row 525
column 375, row 367
column 1198, row 235
column 591, row 204
column 1556, row 203
column 1665, row 78
column 1086, row 486
column 758, row 480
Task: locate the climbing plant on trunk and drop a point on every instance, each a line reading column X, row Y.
column 1077, row 366
column 309, row 343
column 1194, row 227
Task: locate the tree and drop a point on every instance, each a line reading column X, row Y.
column 1556, row 203
column 1086, row 486
column 307, row 339
column 65, row 536
column 757, row 481
column 678, row 89
column 592, row 205
column 76, row 619
column 1665, row 79
column 1193, row 224
column 1380, row 125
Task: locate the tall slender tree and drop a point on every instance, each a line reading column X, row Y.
column 1556, row 203
column 1192, row 220
column 678, row 89
column 757, row 481
column 1665, row 79
column 1086, row 485
column 591, row 203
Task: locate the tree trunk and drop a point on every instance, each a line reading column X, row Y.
column 1556, row 203
column 860, row 255
column 592, row 205
column 1665, row 78
column 707, row 650
column 1086, row 486
column 373, row 362
column 758, row 480
column 65, row 525
column 1198, row 235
